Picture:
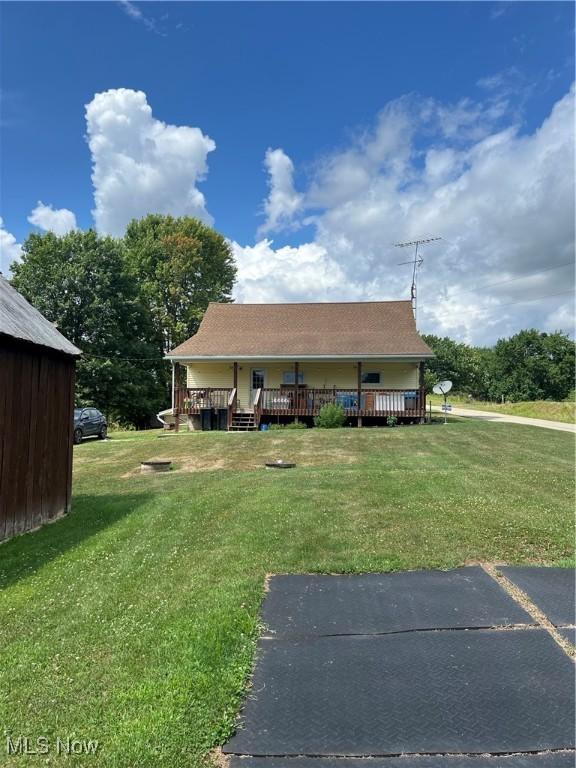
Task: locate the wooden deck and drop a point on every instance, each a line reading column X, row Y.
column 305, row 402
column 373, row 402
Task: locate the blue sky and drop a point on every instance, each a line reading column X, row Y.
column 311, row 80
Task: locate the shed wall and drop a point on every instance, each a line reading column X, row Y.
column 36, row 422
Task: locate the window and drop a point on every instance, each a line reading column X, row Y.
column 258, row 378
column 371, row 377
column 288, row 377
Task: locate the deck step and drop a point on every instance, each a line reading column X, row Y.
column 242, row 422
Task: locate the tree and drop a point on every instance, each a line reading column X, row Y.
column 180, row 265
column 80, row 283
column 534, row 366
column 454, row 361
column 528, row 366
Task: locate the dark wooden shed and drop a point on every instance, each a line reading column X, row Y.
column 37, row 368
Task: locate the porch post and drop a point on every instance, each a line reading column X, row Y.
column 422, row 393
column 359, row 393
column 173, row 383
column 232, row 401
column 296, row 372
column 176, row 397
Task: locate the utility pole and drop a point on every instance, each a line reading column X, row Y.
column 416, row 264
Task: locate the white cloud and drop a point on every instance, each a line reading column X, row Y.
column 502, row 200
column 134, row 12
column 57, row 220
column 141, row 165
column 283, row 202
column 300, row 273
column 10, row 249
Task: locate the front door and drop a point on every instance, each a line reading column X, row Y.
column 257, row 379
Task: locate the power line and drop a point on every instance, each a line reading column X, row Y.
column 513, row 303
column 126, row 359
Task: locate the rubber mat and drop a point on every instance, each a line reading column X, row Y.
column 474, row 691
column 546, row 760
column 551, row 589
column 298, row 606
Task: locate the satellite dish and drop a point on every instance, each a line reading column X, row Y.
column 442, row 388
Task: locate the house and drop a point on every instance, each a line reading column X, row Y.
column 37, row 369
column 255, row 363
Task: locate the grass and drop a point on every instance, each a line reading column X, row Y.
column 133, row 620
column 535, row 409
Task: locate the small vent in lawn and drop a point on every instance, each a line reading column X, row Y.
column 279, row 464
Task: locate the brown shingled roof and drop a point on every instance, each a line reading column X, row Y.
column 322, row 329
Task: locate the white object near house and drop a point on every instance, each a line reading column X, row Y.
column 442, row 388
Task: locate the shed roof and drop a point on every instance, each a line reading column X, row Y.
column 20, row 320
column 346, row 329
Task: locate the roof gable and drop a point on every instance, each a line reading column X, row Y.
column 20, row 320
column 380, row 328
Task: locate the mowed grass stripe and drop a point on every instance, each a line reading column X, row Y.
column 133, row 621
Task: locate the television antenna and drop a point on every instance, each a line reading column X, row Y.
column 416, row 264
column 442, row 388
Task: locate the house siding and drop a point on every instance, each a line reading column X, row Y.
column 320, row 375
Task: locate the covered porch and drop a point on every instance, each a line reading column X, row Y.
column 250, row 401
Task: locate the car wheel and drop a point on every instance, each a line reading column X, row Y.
column 77, row 436
column 103, row 433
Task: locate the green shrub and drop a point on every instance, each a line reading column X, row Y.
column 391, row 421
column 331, row 416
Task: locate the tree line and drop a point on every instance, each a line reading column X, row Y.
column 127, row 301
column 531, row 365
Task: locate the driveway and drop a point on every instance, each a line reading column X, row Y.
column 506, row 419
column 425, row 669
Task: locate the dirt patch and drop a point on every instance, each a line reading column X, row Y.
column 208, row 464
column 218, row 759
column 243, row 459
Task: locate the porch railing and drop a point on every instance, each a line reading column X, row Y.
column 306, row 401
column 192, row 400
column 373, row 402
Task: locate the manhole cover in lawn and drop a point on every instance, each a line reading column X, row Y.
column 156, row 465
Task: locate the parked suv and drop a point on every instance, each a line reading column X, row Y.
column 87, row 422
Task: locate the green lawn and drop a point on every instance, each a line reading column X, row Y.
column 534, row 409
column 133, row 620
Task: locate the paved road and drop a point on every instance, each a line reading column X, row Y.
column 501, row 417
